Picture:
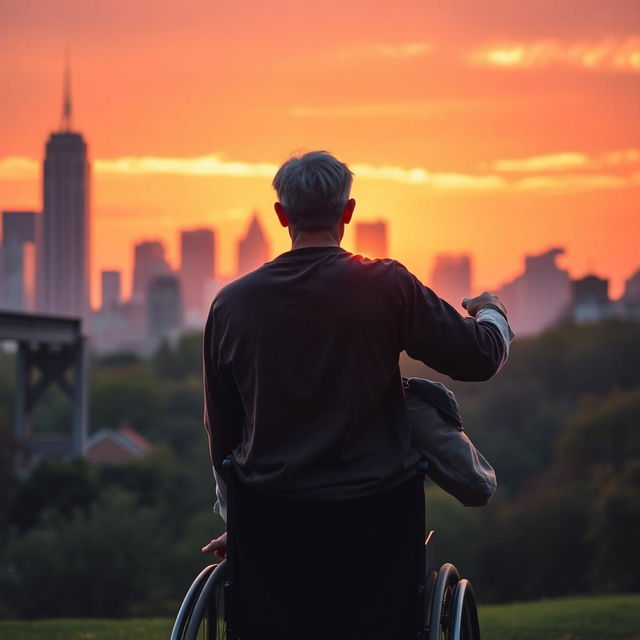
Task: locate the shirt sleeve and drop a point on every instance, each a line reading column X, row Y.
column 223, row 411
column 432, row 331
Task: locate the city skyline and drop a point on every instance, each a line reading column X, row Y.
column 498, row 130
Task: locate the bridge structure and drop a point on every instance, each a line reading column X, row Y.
column 51, row 350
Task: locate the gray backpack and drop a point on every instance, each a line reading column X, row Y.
column 455, row 464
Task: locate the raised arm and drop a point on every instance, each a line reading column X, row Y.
column 471, row 349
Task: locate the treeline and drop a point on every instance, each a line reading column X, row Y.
column 559, row 423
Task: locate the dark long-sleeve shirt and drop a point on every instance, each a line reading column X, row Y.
column 301, row 375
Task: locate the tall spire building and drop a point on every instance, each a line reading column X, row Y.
column 63, row 286
column 253, row 249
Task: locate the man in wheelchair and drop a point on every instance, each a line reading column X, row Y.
column 303, row 390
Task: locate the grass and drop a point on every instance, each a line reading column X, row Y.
column 602, row 618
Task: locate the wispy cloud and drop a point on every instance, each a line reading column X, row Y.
column 363, row 50
column 575, row 182
column 435, row 180
column 410, row 109
column 17, row 168
column 566, row 161
column 609, row 54
column 497, row 177
column 209, row 165
column 416, row 110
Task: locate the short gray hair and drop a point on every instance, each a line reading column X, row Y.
column 313, row 189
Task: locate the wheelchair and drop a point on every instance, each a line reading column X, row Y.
column 447, row 602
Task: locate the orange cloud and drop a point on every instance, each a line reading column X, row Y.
column 493, row 180
column 566, row 161
column 610, row 54
column 383, row 50
column 399, row 109
column 17, row 168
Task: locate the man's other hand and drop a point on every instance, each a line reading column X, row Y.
column 473, row 305
column 217, row 546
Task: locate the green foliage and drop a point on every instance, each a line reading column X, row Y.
column 107, row 562
column 602, row 434
column 126, row 393
column 558, row 423
column 179, row 362
column 615, row 530
column 59, row 487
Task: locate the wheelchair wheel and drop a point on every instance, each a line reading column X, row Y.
column 441, row 602
column 202, row 614
column 463, row 624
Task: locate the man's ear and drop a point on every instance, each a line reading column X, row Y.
column 282, row 216
column 347, row 212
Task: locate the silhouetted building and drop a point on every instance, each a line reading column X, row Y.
column 629, row 304
column 540, row 296
column 111, row 290
column 149, row 262
column 632, row 287
column 253, row 249
column 451, row 278
column 119, row 328
column 371, row 239
column 17, row 268
column 590, row 300
column 63, row 283
column 197, row 255
column 164, row 309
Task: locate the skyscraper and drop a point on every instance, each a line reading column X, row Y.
column 197, row 254
column 590, row 299
column 253, row 249
column 630, row 301
column 371, row 239
column 451, row 278
column 19, row 232
column 110, row 289
column 540, row 296
column 148, row 262
column 63, row 259
column 164, row 309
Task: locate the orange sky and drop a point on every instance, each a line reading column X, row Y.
column 494, row 127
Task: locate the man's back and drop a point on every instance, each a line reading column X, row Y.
column 301, row 368
column 302, row 387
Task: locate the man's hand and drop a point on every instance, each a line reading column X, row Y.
column 473, row 305
column 217, row 546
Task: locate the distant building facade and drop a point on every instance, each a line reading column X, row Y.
column 18, row 263
column 629, row 304
column 590, row 300
column 111, row 289
column 451, row 278
column 149, row 262
column 253, row 248
column 197, row 269
column 63, row 269
column 63, row 257
column 539, row 297
column 164, row 309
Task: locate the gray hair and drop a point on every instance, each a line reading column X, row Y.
column 313, row 189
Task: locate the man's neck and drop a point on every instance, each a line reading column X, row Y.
column 324, row 238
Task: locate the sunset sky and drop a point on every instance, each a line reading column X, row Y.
column 486, row 126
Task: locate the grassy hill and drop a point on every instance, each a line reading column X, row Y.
column 603, row 618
